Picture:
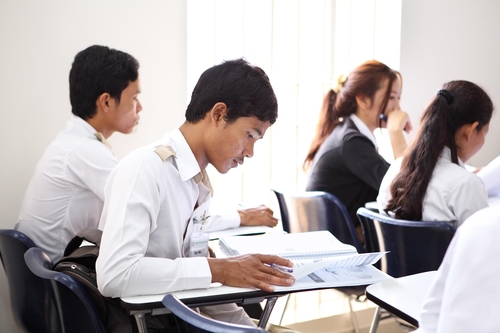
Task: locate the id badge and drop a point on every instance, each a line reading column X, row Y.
column 199, row 245
column 199, row 238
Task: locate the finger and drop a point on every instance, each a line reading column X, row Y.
column 268, row 282
column 271, row 222
column 274, row 259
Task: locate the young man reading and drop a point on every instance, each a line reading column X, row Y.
column 157, row 199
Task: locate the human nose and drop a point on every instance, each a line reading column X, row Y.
column 139, row 106
column 248, row 152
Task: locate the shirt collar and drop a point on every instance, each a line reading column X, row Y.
column 82, row 124
column 186, row 161
column 446, row 155
column 77, row 121
column 363, row 129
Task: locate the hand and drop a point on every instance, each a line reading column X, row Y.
column 260, row 215
column 251, row 270
column 398, row 120
column 211, row 253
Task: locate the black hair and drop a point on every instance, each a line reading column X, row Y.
column 244, row 88
column 457, row 104
column 97, row 70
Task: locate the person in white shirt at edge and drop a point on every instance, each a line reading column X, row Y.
column 157, row 199
column 430, row 182
column 463, row 297
column 66, row 192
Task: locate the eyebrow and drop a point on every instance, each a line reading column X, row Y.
column 258, row 132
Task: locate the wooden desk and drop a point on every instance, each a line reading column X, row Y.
column 402, row 297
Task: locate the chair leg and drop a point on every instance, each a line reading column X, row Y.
column 284, row 310
column 375, row 321
column 354, row 319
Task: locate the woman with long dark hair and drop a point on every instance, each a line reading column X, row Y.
column 430, row 182
column 343, row 158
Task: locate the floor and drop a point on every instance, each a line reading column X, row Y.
column 328, row 311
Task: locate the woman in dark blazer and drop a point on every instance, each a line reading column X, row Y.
column 343, row 157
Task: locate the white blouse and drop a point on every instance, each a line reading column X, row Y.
column 453, row 193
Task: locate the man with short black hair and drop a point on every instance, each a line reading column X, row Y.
column 66, row 192
column 156, row 207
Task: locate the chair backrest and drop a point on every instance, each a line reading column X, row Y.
column 78, row 312
column 189, row 321
column 283, row 210
column 317, row 210
column 415, row 246
column 27, row 291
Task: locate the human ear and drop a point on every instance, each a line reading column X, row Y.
column 103, row 102
column 364, row 102
column 218, row 113
column 470, row 130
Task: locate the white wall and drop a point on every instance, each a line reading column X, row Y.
column 451, row 40
column 38, row 41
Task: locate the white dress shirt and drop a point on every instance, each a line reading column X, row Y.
column 66, row 192
column 464, row 295
column 147, row 222
column 453, row 193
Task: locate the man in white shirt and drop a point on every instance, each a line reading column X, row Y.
column 157, row 199
column 464, row 294
column 66, row 192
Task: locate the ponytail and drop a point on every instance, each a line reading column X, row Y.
column 458, row 104
column 328, row 119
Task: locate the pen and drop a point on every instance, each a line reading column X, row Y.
column 282, row 268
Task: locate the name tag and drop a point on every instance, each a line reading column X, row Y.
column 199, row 245
column 199, row 239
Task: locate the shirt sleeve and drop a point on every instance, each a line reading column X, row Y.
column 363, row 160
column 222, row 217
column 131, row 208
column 90, row 165
column 468, row 198
column 464, row 293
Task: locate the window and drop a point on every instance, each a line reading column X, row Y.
column 303, row 46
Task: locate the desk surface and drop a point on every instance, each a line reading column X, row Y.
column 404, row 296
column 217, row 294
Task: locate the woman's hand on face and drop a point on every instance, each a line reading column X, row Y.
column 398, row 120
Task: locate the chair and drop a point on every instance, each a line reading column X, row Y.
column 189, row 321
column 26, row 291
column 78, row 312
column 283, row 210
column 317, row 210
column 415, row 246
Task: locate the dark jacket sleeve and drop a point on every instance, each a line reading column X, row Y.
column 363, row 160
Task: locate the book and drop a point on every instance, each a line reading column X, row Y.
column 302, row 245
column 319, row 258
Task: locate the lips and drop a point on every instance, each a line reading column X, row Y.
column 237, row 162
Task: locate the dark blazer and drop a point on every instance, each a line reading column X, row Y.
column 348, row 166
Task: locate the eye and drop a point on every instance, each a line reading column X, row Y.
column 249, row 135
